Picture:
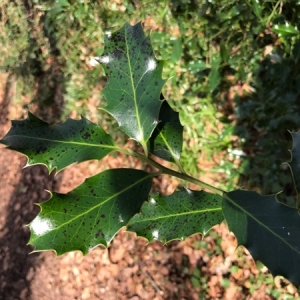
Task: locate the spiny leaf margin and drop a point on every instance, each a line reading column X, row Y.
column 58, row 146
column 92, row 213
column 166, row 140
column 263, row 225
column 295, row 163
column 134, row 82
column 177, row 216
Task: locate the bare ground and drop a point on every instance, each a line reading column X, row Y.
column 130, row 268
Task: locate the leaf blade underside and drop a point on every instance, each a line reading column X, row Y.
column 92, row 213
column 166, row 140
column 58, row 146
column 177, row 216
column 268, row 229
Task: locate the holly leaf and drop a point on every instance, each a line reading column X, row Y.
column 58, row 146
column 295, row 164
column 268, row 229
column 134, row 82
column 92, row 213
column 166, row 140
column 177, row 216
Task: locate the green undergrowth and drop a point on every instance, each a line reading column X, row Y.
column 78, row 38
column 208, row 48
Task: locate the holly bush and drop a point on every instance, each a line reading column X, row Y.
column 96, row 210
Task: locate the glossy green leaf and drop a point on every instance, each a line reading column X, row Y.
column 268, row 229
column 257, row 9
column 295, row 164
column 166, row 140
column 58, row 146
column 224, row 52
column 177, row 216
column 92, row 213
column 285, row 30
column 134, row 82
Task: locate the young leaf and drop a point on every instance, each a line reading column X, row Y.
column 92, row 213
column 268, row 229
column 60, row 145
column 295, row 164
column 177, row 216
column 134, row 82
column 166, row 140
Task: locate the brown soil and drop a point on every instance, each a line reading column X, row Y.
column 130, row 268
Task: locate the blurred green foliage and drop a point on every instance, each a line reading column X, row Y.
column 265, row 115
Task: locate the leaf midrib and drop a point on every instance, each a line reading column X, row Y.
column 179, row 214
column 261, row 224
column 175, row 157
column 141, row 133
column 100, row 204
column 66, row 142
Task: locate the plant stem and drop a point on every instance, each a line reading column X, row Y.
column 179, row 166
column 165, row 170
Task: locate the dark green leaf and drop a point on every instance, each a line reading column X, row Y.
column 177, row 216
column 224, row 52
column 135, row 82
column 92, row 213
column 296, row 51
column 295, row 164
column 214, row 77
column 268, row 229
column 166, row 140
column 256, row 8
column 60, row 145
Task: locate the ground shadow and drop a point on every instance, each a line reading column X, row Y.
column 17, row 267
column 266, row 80
column 264, row 118
column 16, row 264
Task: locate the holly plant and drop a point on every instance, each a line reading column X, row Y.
column 95, row 211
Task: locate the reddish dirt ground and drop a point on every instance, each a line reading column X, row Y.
column 130, row 268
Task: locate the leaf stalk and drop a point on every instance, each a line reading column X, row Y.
column 164, row 170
